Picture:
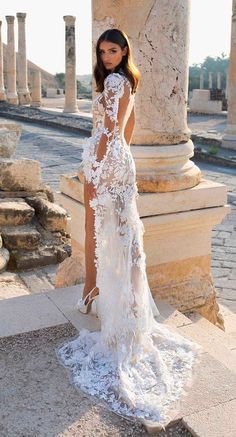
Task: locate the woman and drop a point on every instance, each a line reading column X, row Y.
column 140, row 367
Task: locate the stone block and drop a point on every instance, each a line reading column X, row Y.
column 28, row 313
column 70, row 272
column 46, row 193
column 63, row 252
column 201, row 102
column 217, row 421
column 20, row 174
column 9, row 136
column 23, row 260
column 15, row 212
column 50, row 215
column 4, row 258
column 21, row 237
column 72, row 187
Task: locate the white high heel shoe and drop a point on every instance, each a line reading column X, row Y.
column 86, row 307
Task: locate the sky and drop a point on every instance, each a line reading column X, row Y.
column 209, row 30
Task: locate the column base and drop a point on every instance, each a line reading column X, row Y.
column 177, row 240
column 12, row 98
column 35, row 104
column 229, row 138
column 3, row 95
column 162, row 168
column 24, row 97
column 72, row 109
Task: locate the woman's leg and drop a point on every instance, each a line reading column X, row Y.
column 90, row 268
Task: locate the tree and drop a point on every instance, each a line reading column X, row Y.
column 210, row 64
column 60, row 77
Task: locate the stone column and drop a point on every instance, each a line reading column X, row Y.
column 2, row 89
column 219, row 80
column 23, row 91
column 11, row 62
column 229, row 138
column 210, row 81
column 70, row 65
column 36, row 89
column 201, row 80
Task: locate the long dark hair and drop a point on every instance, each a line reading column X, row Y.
column 132, row 73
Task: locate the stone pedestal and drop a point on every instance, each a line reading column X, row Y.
column 70, row 60
column 229, row 138
column 23, row 91
column 201, row 103
column 2, row 88
column 36, row 89
column 11, row 62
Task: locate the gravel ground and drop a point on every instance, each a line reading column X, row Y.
column 38, row 399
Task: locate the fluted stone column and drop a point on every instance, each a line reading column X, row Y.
column 2, row 88
column 23, row 90
column 201, row 80
column 36, row 89
column 219, row 80
column 229, row 138
column 70, row 61
column 210, row 81
column 11, row 62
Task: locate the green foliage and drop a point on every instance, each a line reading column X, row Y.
column 213, row 150
column 210, row 64
column 81, row 88
column 60, row 77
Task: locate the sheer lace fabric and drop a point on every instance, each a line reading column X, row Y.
column 140, row 367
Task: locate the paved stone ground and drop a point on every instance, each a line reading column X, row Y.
column 60, row 152
column 38, row 400
column 211, row 124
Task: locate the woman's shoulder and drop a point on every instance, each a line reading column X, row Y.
column 115, row 79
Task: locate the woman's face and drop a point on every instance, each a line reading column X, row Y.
column 111, row 54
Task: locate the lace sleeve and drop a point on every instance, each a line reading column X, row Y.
column 113, row 91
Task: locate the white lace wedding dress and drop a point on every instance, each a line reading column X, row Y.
column 138, row 366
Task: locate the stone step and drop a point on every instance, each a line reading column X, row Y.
column 14, row 212
column 21, row 237
column 227, row 337
column 50, row 215
column 20, row 174
column 4, row 258
column 210, row 337
column 28, row 259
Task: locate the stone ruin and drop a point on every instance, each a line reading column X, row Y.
column 33, row 229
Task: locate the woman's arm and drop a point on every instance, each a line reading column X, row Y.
column 116, row 95
column 129, row 127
